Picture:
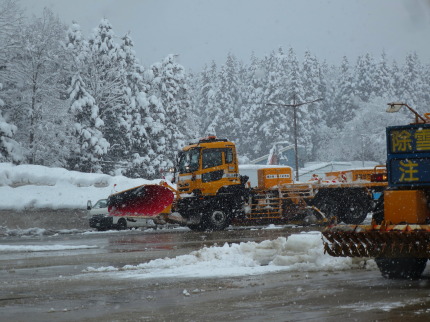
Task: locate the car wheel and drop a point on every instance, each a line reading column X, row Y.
column 122, row 224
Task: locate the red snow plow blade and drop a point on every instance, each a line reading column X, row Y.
column 145, row 200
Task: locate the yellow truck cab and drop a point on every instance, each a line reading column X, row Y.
column 206, row 166
column 211, row 191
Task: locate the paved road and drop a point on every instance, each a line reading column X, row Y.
column 50, row 286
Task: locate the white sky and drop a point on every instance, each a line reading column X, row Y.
column 204, row 30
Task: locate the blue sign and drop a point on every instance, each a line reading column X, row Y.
column 408, row 149
column 411, row 171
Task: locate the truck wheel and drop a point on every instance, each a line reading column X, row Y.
column 122, row 224
column 216, row 220
column 327, row 206
column 355, row 208
column 401, row 268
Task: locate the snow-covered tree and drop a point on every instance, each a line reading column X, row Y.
column 364, row 77
column 411, row 86
column 253, row 107
column 138, row 150
column 11, row 20
column 37, row 82
column 103, row 75
column 227, row 101
column 10, row 150
column 383, row 81
column 169, row 85
column 91, row 146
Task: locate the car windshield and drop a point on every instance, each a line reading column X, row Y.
column 189, row 160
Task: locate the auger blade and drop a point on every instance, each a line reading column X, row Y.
column 377, row 243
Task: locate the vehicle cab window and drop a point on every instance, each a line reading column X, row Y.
column 211, row 158
column 101, row 204
column 228, row 155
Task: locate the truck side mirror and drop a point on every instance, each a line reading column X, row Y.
column 89, row 205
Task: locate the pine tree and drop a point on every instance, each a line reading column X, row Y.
column 383, row 83
column 252, row 110
column 273, row 126
column 37, row 81
column 411, row 84
column 10, row 150
column 169, row 84
column 344, row 96
column 228, row 100
column 103, row 75
column 137, row 147
column 91, row 146
column 364, row 77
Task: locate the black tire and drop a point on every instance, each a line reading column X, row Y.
column 327, row 205
column 122, row 224
column 401, row 268
column 354, row 207
column 216, row 219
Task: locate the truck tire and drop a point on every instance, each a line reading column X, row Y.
column 401, row 268
column 216, row 219
column 326, row 204
column 354, row 207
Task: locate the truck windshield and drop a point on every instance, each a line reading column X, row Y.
column 189, row 161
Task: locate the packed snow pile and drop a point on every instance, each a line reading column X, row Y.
column 34, row 186
column 300, row 252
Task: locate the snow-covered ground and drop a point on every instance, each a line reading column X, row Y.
column 300, row 252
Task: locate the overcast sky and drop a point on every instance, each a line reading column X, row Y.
column 200, row 31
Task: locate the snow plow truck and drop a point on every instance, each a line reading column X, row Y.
column 211, row 193
column 399, row 235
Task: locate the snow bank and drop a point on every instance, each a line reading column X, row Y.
column 33, row 186
column 300, row 252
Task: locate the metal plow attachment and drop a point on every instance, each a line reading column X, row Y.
column 392, row 241
column 145, row 200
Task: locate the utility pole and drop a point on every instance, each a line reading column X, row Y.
column 294, row 106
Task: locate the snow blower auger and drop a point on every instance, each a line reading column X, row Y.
column 144, row 201
column 388, row 241
column 399, row 235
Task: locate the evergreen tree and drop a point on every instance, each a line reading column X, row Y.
column 383, row 83
column 10, row 150
column 411, row 85
column 103, row 75
column 274, row 120
column 37, row 81
column 253, row 108
column 364, row 77
column 227, row 100
column 170, row 86
column 91, row 145
column 137, row 146
column 344, row 98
